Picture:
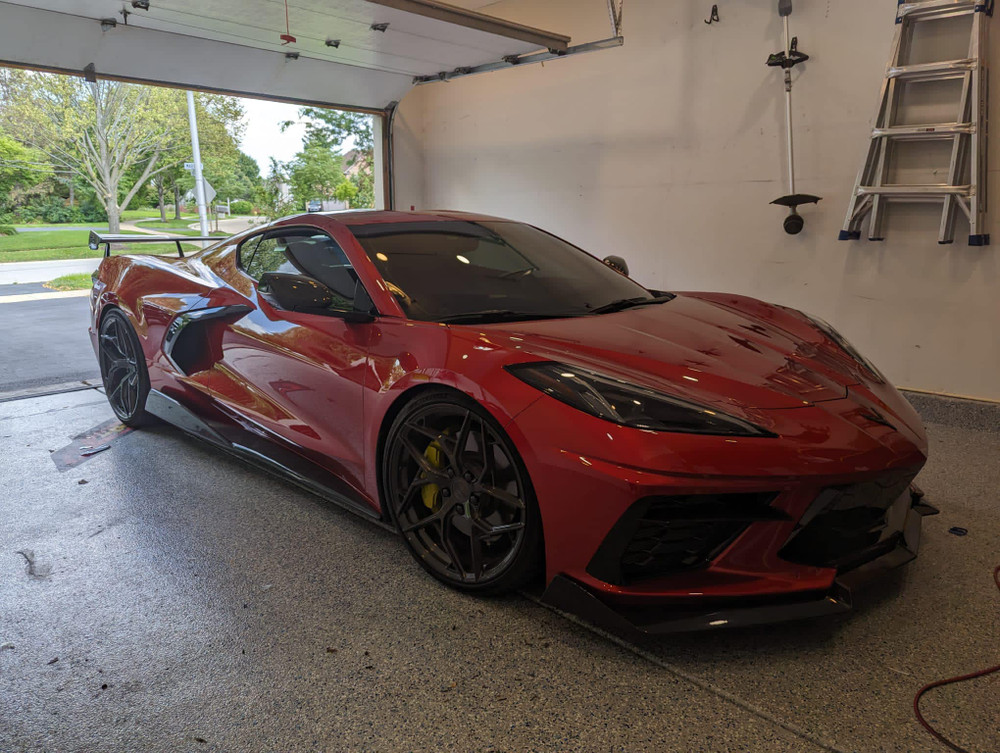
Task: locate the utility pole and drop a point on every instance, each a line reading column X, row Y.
column 199, row 178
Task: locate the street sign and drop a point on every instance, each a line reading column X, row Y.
column 189, row 166
column 209, row 193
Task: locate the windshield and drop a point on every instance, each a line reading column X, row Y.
column 505, row 270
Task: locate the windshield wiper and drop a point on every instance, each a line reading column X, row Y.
column 496, row 315
column 630, row 303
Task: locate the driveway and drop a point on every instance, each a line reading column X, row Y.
column 45, row 341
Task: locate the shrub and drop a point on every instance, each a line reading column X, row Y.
column 51, row 210
column 7, row 230
column 241, row 206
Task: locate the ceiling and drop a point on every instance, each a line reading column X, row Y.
column 337, row 56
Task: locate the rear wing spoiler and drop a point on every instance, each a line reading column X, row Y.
column 106, row 239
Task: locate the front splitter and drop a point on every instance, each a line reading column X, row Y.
column 566, row 595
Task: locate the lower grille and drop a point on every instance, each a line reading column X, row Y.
column 662, row 535
column 847, row 526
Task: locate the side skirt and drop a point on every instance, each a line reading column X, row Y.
column 176, row 414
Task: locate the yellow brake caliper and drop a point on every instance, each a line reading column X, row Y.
column 431, row 494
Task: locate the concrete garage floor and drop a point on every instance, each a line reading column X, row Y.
column 181, row 601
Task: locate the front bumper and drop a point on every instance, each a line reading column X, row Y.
column 567, row 595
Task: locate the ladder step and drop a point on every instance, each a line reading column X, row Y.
column 930, row 192
column 930, row 131
column 938, row 7
column 943, row 69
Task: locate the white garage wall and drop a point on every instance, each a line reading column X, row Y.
column 669, row 150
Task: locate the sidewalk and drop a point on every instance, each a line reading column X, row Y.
column 43, row 271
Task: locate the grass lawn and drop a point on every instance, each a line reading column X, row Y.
column 69, row 244
column 44, row 240
column 129, row 215
column 79, row 281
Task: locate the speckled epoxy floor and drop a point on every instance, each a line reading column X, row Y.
column 188, row 603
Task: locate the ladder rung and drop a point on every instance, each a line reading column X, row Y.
column 930, row 192
column 935, row 7
column 930, row 131
column 942, row 69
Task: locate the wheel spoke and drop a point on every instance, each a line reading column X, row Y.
column 461, row 441
column 476, row 554
column 425, row 465
column 487, row 452
column 487, row 530
column 114, row 395
column 503, row 496
column 113, row 342
column 424, row 522
column 409, row 496
column 449, row 549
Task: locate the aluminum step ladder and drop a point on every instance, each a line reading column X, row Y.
column 965, row 188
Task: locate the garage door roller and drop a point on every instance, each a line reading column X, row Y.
column 786, row 60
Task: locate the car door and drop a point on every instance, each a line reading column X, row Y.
column 299, row 376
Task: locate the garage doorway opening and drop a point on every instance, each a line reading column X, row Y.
column 80, row 155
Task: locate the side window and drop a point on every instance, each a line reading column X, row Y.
column 306, row 252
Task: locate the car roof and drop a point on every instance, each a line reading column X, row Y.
column 382, row 217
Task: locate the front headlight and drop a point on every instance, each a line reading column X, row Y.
column 629, row 405
column 827, row 329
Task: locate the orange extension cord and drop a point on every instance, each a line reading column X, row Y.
column 951, row 681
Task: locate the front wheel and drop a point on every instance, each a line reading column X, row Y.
column 460, row 495
column 123, row 369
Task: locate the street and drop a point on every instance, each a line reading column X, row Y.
column 43, row 343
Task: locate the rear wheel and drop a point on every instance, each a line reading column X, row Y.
column 460, row 495
column 123, row 369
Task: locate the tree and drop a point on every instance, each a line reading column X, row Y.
column 314, row 173
column 346, row 192
column 115, row 136
column 20, row 167
column 271, row 194
column 332, row 129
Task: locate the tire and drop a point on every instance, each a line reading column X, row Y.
column 123, row 369
column 459, row 494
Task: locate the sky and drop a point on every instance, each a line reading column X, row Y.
column 264, row 139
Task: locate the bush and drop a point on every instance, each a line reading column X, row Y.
column 241, row 206
column 7, row 230
column 50, row 210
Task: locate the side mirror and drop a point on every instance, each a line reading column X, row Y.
column 617, row 263
column 300, row 293
column 295, row 292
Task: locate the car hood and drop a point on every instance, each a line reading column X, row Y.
column 760, row 358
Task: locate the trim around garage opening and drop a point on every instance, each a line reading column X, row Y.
column 196, row 88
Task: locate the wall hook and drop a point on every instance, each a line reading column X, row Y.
column 715, row 16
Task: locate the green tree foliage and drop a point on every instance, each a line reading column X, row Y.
column 122, row 145
column 346, row 192
column 364, row 181
column 115, row 136
column 270, row 196
column 332, row 129
column 315, row 173
column 20, row 167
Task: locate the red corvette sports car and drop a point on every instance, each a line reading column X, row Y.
column 515, row 407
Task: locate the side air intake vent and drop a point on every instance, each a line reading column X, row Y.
column 662, row 535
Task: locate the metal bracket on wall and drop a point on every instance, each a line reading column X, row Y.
column 615, row 8
column 516, row 60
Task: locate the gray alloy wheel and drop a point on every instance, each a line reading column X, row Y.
column 460, row 495
column 123, row 369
